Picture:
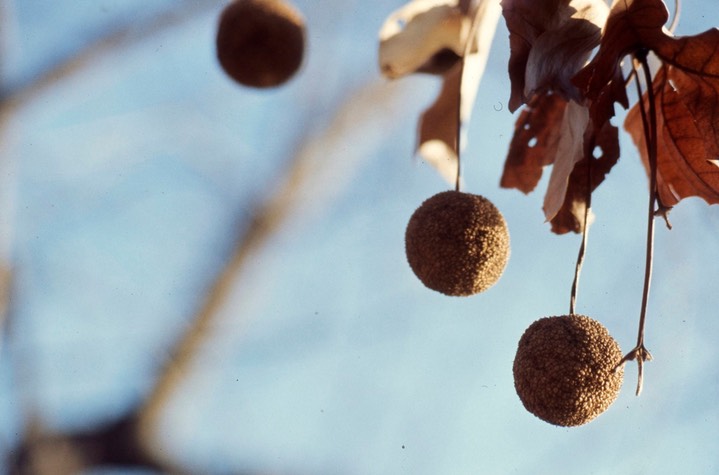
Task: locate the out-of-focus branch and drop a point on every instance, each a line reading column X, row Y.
column 320, row 169
column 5, row 272
column 112, row 443
column 13, row 99
column 125, row 36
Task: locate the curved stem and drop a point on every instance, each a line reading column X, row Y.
column 675, row 19
column 639, row 352
column 652, row 152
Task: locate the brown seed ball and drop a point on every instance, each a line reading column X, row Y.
column 457, row 243
column 564, row 369
column 260, row 43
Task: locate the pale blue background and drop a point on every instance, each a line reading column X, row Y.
column 124, row 184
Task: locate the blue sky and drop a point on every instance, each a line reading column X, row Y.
column 126, row 183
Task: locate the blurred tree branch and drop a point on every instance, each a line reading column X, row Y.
column 310, row 180
column 111, row 443
column 15, row 98
column 123, row 37
column 105, row 439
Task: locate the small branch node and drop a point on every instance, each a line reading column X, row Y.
column 641, row 355
column 663, row 212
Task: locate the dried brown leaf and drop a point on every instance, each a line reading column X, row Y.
column 635, row 25
column 436, row 141
column 631, row 26
column 552, row 131
column 586, row 176
column 695, row 55
column 686, row 93
column 438, row 127
column 550, row 40
column 570, row 150
column 687, row 134
column 422, row 36
column 534, row 144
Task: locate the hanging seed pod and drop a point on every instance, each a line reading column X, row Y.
column 260, row 43
column 457, row 243
column 564, row 370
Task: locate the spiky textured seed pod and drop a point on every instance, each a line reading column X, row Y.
column 564, row 370
column 457, row 243
column 260, row 43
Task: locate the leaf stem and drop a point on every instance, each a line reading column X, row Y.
column 639, row 352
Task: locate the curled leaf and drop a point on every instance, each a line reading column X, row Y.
column 549, row 131
column 631, row 26
column 637, row 25
column 422, row 36
column 570, row 150
column 550, row 40
column 438, row 127
column 436, row 141
column 601, row 152
column 686, row 91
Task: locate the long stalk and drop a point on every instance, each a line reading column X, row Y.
column 639, row 352
column 485, row 21
column 585, row 237
column 467, row 49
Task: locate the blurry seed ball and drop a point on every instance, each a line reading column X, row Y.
column 260, row 43
column 457, row 243
column 564, row 369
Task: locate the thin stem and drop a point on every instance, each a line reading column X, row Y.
column 640, row 353
column 675, row 18
column 458, row 137
column 476, row 20
column 652, row 152
column 663, row 210
column 585, row 237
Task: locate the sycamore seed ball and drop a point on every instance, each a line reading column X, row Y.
column 260, row 43
column 457, row 243
column 564, row 370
